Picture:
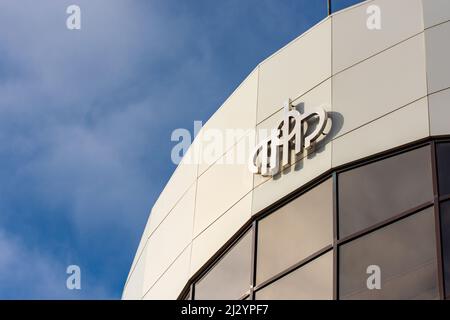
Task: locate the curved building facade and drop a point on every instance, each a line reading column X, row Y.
column 357, row 208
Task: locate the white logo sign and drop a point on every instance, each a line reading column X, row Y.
column 291, row 133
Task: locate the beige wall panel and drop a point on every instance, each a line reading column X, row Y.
column 438, row 55
column 182, row 179
column 172, row 282
column 216, row 235
column 232, row 121
column 223, row 184
column 170, row 239
column 439, row 104
column 295, row 69
column 380, row 85
column 139, row 250
column 400, row 127
column 353, row 41
column 134, row 287
column 435, row 11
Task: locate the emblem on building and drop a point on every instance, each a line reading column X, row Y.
column 272, row 155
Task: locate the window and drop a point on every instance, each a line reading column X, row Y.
column 312, row 281
column 294, row 232
column 380, row 190
column 443, row 159
column 383, row 199
column 230, row 277
column 404, row 251
column 445, row 227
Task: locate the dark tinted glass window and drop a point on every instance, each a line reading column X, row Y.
column 294, row 232
column 445, row 227
column 311, row 281
column 230, row 277
column 443, row 157
column 380, row 190
column 405, row 253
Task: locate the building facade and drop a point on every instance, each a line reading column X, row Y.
column 361, row 211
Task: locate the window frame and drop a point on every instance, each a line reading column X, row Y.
column 334, row 247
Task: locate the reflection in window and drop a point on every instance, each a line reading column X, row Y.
column 406, row 254
column 443, row 157
column 380, row 190
column 445, row 227
column 313, row 281
column 297, row 230
column 230, row 277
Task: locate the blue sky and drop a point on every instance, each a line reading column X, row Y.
column 86, row 118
